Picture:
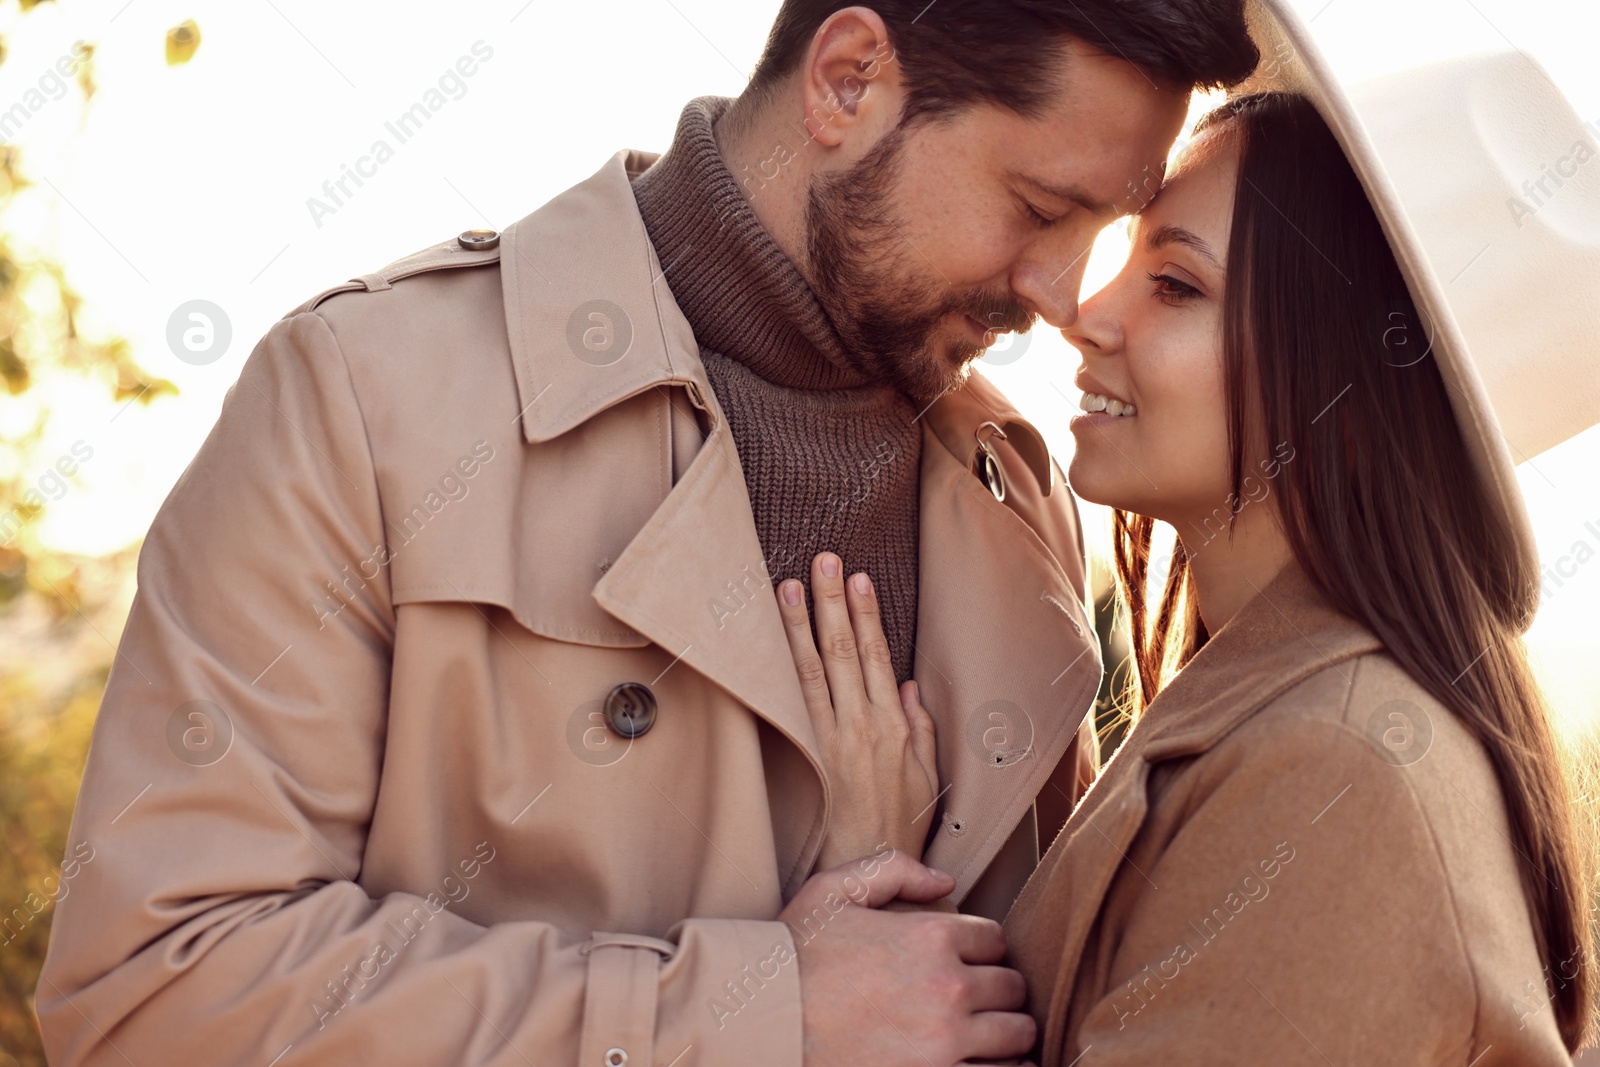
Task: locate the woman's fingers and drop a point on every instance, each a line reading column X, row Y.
column 877, row 665
column 807, row 663
column 836, row 639
column 877, row 750
column 846, row 672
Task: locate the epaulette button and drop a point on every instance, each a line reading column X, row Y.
column 479, row 240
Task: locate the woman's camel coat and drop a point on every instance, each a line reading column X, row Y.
column 1297, row 857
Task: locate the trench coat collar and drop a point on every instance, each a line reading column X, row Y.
column 589, row 245
column 980, row 562
column 586, row 252
column 544, row 297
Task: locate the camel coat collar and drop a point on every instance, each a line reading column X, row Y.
column 1279, row 639
column 1401, row 935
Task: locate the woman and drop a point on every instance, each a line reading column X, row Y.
column 1339, row 831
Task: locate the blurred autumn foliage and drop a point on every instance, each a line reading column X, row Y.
column 60, row 615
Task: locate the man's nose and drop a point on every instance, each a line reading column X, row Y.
column 1051, row 286
column 1062, row 312
column 1055, row 303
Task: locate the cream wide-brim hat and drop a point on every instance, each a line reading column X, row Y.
column 1506, row 276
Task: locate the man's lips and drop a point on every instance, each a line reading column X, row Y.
column 988, row 335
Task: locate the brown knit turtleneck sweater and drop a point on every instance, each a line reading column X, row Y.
column 830, row 457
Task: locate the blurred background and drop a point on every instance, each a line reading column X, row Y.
column 154, row 153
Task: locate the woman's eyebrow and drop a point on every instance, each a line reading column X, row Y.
column 1167, row 234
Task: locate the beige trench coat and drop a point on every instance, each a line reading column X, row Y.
column 1297, row 857
column 352, row 797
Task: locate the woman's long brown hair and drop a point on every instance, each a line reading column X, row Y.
column 1379, row 505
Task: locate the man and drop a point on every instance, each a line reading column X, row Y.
column 454, row 721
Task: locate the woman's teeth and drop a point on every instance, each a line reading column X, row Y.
column 1094, row 402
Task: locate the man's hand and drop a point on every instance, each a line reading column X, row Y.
column 876, row 742
column 901, row 989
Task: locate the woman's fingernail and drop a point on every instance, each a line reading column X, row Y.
column 791, row 593
column 830, row 565
column 863, row 584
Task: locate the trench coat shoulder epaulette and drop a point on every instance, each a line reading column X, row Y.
column 469, row 249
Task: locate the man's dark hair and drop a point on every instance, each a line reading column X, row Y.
column 956, row 53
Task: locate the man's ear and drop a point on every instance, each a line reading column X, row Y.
column 850, row 80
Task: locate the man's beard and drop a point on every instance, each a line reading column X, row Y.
column 875, row 287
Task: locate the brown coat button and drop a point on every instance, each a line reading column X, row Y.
column 478, row 240
column 631, row 710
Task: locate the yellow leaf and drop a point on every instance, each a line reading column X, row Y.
column 182, row 41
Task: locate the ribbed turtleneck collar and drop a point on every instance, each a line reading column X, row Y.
column 742, row 295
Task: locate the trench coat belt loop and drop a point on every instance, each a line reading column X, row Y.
column 666, row 948
column 619, row 1003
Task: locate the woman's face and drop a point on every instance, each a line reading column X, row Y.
column 1154, row 435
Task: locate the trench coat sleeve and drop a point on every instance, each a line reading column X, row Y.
column 1299, row 915
column 216, row 902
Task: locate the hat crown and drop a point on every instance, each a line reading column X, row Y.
column 1499, row 182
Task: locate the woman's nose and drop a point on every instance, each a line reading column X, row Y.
column 1095, row 327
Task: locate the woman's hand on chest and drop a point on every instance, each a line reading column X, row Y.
column 876, row 739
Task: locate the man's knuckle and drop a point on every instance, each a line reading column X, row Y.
column 952, row 988
column 938, row 933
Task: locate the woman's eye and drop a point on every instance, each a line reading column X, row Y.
column 1171, row 290
column 1038, row 219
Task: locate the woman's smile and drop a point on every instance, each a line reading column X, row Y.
column 1100, row 405
column 1151, row 342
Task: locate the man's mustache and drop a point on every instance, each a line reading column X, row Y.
column 999, row 314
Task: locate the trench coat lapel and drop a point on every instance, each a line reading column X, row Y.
column 674, row 582
column 702, row 536
column 698, row 553
column 1005, row 650
column 587, row 251
column 1007, row 658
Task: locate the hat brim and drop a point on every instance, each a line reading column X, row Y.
column 1293, row 62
